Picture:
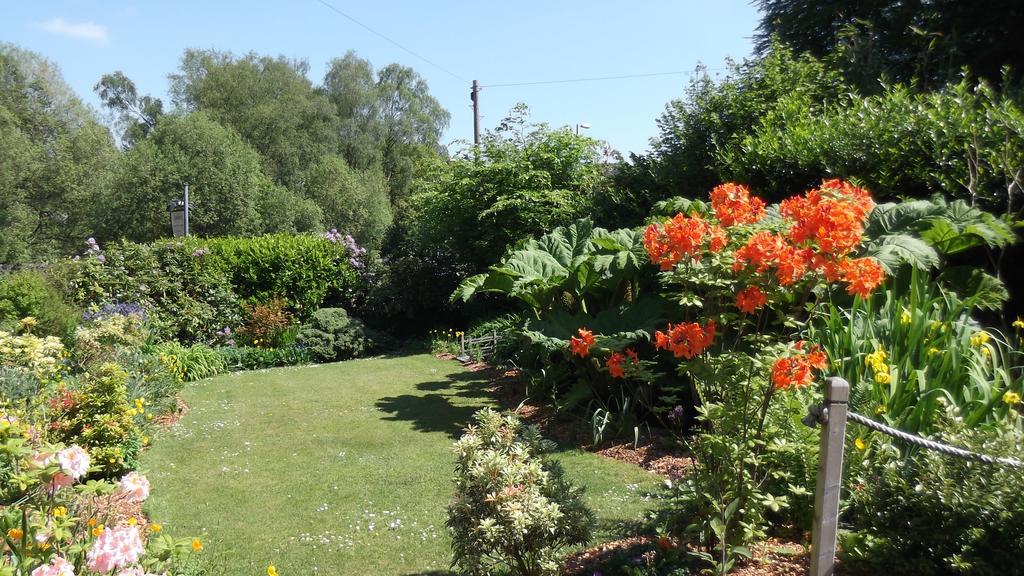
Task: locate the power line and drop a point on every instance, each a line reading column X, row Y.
column 427, row 60
column 597, row 78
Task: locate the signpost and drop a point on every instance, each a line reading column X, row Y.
column 178, row 210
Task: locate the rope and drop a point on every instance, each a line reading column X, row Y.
column 930, row 444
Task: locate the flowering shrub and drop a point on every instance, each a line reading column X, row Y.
column 100, row 340
column 512, row 509
column 97, row 414
column 42, row 358
column 49, row 520
column 265, row 324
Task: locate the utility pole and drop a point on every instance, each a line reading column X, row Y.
column 475, row 97
column 186, row 209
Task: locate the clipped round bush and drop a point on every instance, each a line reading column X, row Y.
column 331, row 334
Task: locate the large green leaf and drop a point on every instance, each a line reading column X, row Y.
column 975, row 287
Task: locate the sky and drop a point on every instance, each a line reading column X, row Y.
column 489, row 41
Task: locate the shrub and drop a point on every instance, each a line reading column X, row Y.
column 153, row 378
column 930, row 513
column 97, row 414
column 265, row 324
column 331, row 334
column 31, row 294
column 250, row 358
column 193, row 362
column 100, row 340
column 513, row 509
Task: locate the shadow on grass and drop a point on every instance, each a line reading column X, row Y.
column 437, row 411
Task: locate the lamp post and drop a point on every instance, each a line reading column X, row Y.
column 583, row 125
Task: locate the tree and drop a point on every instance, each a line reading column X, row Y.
column 54, row 159
column 394, row 120
column 223, row 172
column 136, row 115
column 353, row 201
column 927, row 40
column 269, row 101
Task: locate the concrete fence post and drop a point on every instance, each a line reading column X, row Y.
column 830, row 477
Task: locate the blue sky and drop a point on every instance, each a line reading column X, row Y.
column 493, row 42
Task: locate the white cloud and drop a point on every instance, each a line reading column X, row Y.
column 85, row 30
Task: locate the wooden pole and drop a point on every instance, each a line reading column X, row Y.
column 475, row 97
column 830, row 478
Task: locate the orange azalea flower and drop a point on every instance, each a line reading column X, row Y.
column 615, row 368
column 830, row 217
column 581, row 346
column 762, row 250
column 681, row 237
column 733, row 205
column 797, row 371
column 862, row 274
column 685, row 340
column 750, row 299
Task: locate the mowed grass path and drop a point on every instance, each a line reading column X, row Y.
column 338, row 469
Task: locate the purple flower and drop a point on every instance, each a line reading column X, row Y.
column 200, row 252
column 116, row 309
column 676, row 415
column 101, row 258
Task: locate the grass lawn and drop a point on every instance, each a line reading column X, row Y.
column 338, row 469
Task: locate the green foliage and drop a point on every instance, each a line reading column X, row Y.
column 331, row 335
column 514, row 184
column 268, row 101
column 222, row 170
column 195, row 362
column 54, row 156
column 513, row 509
column 935, row 356
column 29, row 293
column 100, row 340
column 708, row 119
column 967, row 139
column 95, row 414
column 930, row 513
column 926, row 42
column 307, row 271
column 354, row 201
column 253, row 358
column 265, row 324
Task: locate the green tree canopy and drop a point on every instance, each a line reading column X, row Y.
column 269, row 101
column 223, row 172
column 353, row 201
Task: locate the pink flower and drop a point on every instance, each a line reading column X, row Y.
column 40, row 459
column 60, row 480
column 115, row 548
column 134, row 486
column 57, row 567
column 74, row 461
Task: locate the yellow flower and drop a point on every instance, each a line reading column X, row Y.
column 197, row 545
column 876, row 360
column 986, row 352
column 91, row 522
column 883, row 377
column 154, row 527
column 29, row 322
column 1019, row 323
column 271, row 571
column 979, row 338
column 933, row 351
column 97, row 531
column 145, row 440
column 132, row 521
column 15, row 533
column 1011, row 398
column 60, row 512
column 860, row 444
column 881, row 409
column 905, row 317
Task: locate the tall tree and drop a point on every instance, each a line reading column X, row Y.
column 269, row 101
column 927, row 40
column 55, row 159
column 136, row 115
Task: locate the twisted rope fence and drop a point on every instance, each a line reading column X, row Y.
column 832, row 416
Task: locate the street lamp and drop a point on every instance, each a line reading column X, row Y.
column 583, row 125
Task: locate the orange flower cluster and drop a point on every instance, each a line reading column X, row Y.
column 617, row 361
column 750, row 299
column 830, row 217
column 765, row 250
column 797, row 371
column 685, row 340
column 734, row 205
column 862, row 274
column 681, row 237
column 581, row 346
